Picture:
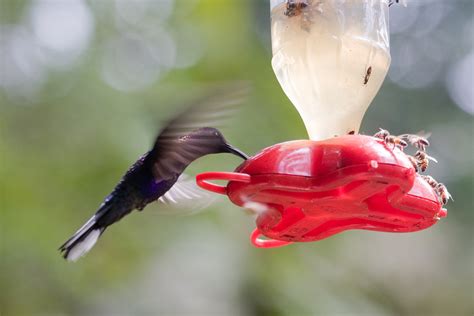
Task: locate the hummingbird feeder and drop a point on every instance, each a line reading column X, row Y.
column 330, row 57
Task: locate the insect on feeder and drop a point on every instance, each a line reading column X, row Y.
column 331, row 57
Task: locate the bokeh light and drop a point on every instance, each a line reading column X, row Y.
column 63, row 29
column 132, row 62
column 459, row 82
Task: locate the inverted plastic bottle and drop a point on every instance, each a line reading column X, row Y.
column 331, row 57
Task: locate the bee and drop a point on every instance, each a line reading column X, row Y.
column 382, row 134
column 443, row 193
column 414, row 162
column 439, row 188
column 391, row 139
column 431, row 181
column 423, row 160
column 420, row 142
column 367, row 75
column 295, row 7
column 396, row 142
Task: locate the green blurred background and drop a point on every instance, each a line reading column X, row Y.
column 82, row 87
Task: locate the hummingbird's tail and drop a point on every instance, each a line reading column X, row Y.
column 85, row 238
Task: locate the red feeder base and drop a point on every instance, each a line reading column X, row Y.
column 309, row 190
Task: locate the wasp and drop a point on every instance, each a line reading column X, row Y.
column 391, row 139
column 423, row 160
column 295, row 7
column 367, row 75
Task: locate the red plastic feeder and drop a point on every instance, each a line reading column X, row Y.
column 310, row 190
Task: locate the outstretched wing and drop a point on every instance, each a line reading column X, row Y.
column 169, row 153
column 186, row 198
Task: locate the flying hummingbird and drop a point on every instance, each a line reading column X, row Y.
column 154, row 176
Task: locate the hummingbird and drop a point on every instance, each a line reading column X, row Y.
column 156, row 175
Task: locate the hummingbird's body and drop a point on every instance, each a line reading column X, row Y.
column 153, row 174
column 137, row 188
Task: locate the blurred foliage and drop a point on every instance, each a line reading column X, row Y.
column 72, row 121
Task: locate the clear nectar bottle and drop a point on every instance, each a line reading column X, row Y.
column 330, row 57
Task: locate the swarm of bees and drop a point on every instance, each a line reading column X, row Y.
column 420, row 160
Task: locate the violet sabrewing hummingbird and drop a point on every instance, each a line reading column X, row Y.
column 154, row 175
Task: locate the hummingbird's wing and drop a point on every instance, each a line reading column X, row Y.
column 186, row 198
column 170, row 153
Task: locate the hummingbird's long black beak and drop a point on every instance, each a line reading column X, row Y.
column 235, row 151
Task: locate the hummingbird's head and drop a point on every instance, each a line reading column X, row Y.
column 211, row 141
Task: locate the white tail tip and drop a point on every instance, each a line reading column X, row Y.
column 82, row 247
